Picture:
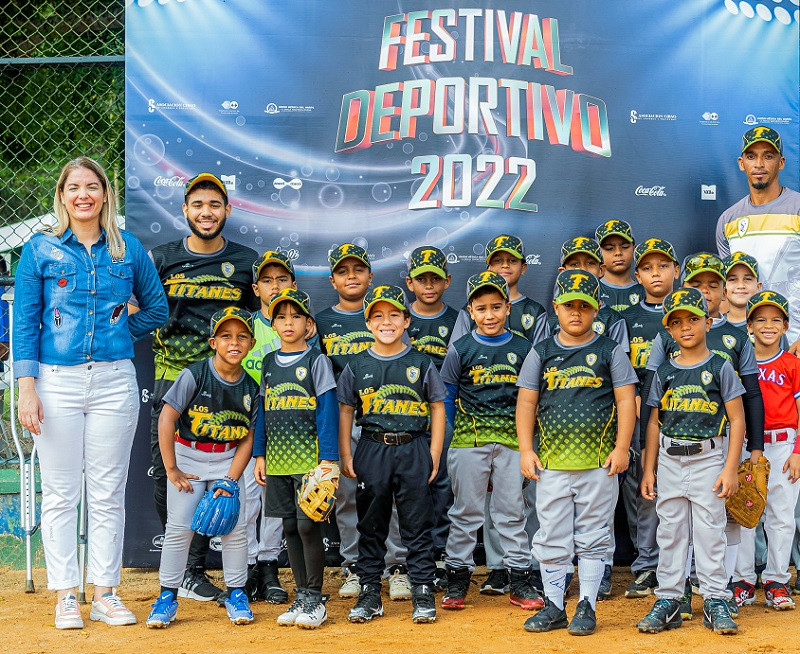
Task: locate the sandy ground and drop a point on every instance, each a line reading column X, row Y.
column 490, row 624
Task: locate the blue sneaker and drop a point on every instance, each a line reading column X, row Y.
column 238, row 608
column 165, row 610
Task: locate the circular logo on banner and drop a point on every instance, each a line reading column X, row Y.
column 158, row 541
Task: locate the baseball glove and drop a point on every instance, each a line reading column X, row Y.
column 317, row 493
column 748, row 503
column 217, row 516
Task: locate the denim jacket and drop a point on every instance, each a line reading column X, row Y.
column 71, row 307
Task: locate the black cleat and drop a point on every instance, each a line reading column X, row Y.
column 584, row 622
column 549, row 618
column 665, row 614
column 368, row 605
column 717, row 617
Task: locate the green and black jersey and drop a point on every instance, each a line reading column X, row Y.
column 644, row 324
column 342, row 334
column 577, row 413
column 527, row 318
column 212, row 409
column 391, row 394
column 197, row 285
column 620, row 298
column 431, row 334
column 290, row 386
column 486, row 375
column 691, row 399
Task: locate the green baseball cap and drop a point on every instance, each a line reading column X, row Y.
column 650, row 246
column 232, row 313
column 272, row 256
column 427, row 259
column 740, row 258
column 394, row 295
column 701, row 262
column 614, row 227
column 763, row 298
column 345, row 251
column 297, row 297
column 688, row 299
column 581, row 244
column 505, row 243
column 577, row 285
column 762, row 133
column 487, row 278
column 205, row 177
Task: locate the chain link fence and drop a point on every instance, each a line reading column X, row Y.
column 62, row 83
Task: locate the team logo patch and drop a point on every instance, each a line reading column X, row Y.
column 443, row 330
column 56, row 317
column 301, row 373
column 598, row 327
column 706, row 377
column 57, row 254
column 412, row 373
column 527, row 321
column 591, row 358
column 634, row 298
column 246, row 401
column 227, row 269
column 512, row 358
column 116, row 314
column 744, row 223
column 730, row 341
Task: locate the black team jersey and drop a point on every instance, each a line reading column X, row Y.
column 644, row 323
column 527, row 318
column 431, row 334
column 620, row 298
column 342, row 334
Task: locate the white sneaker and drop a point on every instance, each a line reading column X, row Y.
column 110, row 609
column 351, row 587
column 399, row 584
column 314, row 612
column 289, row 616
column 68, row 615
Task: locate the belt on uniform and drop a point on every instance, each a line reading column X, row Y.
column 684, row 448
column 778, row 435
column 206, row 447
column 390, row 437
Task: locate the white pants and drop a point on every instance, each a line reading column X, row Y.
column 209, row 467
column 90, row 416
column 268, row 546
column 778, row 521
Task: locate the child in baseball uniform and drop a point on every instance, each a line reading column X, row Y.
column 480, row 372
column 617, row 289
column 205, row 432
column 779, row 378
column 577, row 389
column 296, row 432
column 656, row 269
column 397, row 397
column 692, row 397
column 741, row 283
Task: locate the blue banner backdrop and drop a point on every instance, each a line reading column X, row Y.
column 398, row 124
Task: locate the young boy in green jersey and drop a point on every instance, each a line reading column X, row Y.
column 692, row 395
column 296, row 432
column 577, row 388
column 617, row 289
column 656, row 270
column 397, row 397
column 741, row 283
column 480, row 372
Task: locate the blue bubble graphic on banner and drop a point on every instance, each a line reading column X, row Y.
column 331, row 196
column 381, row 192
column 149, row 149
column 331, row 174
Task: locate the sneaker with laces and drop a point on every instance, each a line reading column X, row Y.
column 313, row 612
column 197, row 586
column 288, row 617
column 458, row 580
column 584, row 622
column 644, row 584
column 238, row 607
column 399, row 584
column 549, row 618
column 776, row 596
column 686, row 602
column 604, row 592
column 68, row 614
column 269, row 585
column 665, row 614
column 368, row 605
column 523, row 593
column 351, row 586
column 424, row 604
column 165, row 610
column 496, row 583
column 110, row 609
column 717, row 617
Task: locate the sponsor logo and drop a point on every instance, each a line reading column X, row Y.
column 636, row 116
column 155, row 105
column 205, row 394
column 534, row 259
column 706, row 377
column 158, row 541
column 273, row 108
column 229, row 107
column 175, row 180
column 452, row 257
column 637, row 325
column 709, row 118
column 751, row 119
column 151, row 471
column 145, row 395
column 708, row 191
column 229, row 181
column 651, row 191
column 280, row 183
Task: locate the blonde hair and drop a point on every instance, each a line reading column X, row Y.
column 108, row 220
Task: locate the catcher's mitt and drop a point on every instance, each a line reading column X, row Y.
column 317, row 493
column 748, row 503
column 217, row 516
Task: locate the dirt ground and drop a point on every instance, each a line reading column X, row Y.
column 490, row 624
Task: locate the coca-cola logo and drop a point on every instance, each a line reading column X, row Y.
column 175, row 180
column 652, row 191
